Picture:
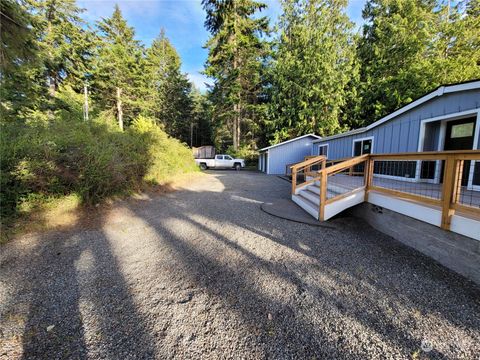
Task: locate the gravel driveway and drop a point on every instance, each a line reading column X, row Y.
column 204, row 273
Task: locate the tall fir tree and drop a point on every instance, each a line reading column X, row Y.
column 18, row 56
column 236, row 49
column 168, row 97
column 201, row 113
column 456, row 43
column 117, row 74
column 409, row 47
column 311, row 68
column 63, row 40
column 50, row 46
column 17, row 40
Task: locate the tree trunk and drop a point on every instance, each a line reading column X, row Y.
column 236, row 106
column 85, row 104
column 52, row 86
column 236, row 127
column 119, row 108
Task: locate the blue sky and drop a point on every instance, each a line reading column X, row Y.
column 183, row 24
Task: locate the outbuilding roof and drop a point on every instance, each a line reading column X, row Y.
column 444, row 89
column 291, row 140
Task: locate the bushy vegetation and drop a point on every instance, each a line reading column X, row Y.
column 244, row 152
column 53, row 67
column 63, row 156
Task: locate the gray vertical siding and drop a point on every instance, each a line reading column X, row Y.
column 401, row 134
column 291, row 152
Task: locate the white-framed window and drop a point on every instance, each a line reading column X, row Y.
column 323, row 150
column 362, row 146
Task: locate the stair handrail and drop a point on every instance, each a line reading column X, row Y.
column 308, row 162
column 320, row 159
column 336, row 161
column 346, row 164
column 451, row 177
column 334, row 169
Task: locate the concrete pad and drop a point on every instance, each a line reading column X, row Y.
column 288, row 210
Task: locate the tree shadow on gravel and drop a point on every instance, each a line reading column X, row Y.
column 393, row 287
column 283, row 333
column 333, row 293
column 72, row 278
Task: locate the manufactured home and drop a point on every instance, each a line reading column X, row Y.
column 425, row 152
column 447, row 118
column 276, row 158
column 416, row 167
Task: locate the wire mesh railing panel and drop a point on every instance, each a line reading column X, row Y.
column 467, row 191
column 346, row 180
column 417, row 177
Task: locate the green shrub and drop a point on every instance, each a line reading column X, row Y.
column 244, row 152
column 45, row 158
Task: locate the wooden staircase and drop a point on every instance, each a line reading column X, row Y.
column 325, row 188
column 323, row 202
column 308, row 197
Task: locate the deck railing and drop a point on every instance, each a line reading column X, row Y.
column 448, row 180
column 305, row 169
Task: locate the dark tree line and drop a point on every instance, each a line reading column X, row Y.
column 49, row 55
column 319, row 75
column 309, row 72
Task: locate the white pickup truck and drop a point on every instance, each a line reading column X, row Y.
column 221, row 161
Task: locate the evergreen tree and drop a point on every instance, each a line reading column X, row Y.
column 456, row 44
column 312, row 65
column 44, row 44
column 168, row 98
column 17, row 56
column 201, row 113
column 234, row 62
column 17, row 42
column 118, row 68
column 63, row 42
column 409, row 47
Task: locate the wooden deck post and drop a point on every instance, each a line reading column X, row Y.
column 323, row 195
column 294, row 180
column 449, row 185
column 368, row 176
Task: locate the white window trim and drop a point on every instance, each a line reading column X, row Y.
column 476, row 136
column 319, row 146
column 362, row 139
column 441, row 141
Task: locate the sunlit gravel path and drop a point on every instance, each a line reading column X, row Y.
column 204, row 273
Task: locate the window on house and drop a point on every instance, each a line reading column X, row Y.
column 361, row 147
column 323, row 150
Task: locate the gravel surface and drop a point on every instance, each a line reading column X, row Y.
column 204, row 273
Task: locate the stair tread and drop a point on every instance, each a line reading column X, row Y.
column 308, row 201
column 306, row 205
